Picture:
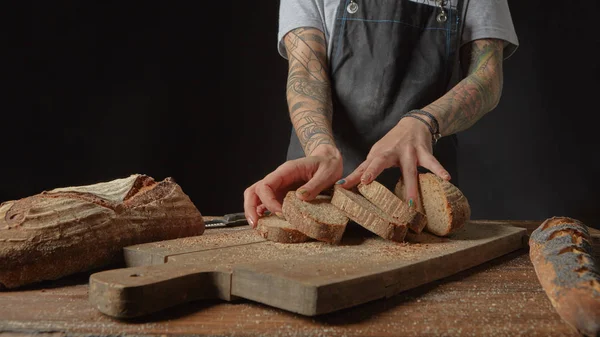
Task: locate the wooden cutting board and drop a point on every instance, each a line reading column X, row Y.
column 310, row 278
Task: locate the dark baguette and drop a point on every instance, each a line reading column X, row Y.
column 561, row 253
column 74, row 229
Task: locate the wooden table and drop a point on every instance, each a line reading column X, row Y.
column 500, row 298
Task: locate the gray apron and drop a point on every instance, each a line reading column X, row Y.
column 389, row 57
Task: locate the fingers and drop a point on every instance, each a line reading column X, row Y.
column 354, row 178
column 267, row 193
column 427, row 160
column 323, row 178
column 408, row 166
column 377, row 165
column 251, row 202
column 262, row 210
column 290, row 172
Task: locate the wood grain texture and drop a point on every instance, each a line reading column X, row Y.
column 499, row 298
column 74, row 229
column 311, row 278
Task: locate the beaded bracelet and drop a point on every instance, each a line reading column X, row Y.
column 435, row 129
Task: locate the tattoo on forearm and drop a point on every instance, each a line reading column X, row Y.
column 316, row 90
column 312, row 130
column 478, row 93
column 308, row 88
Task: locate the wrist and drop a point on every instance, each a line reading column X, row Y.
column 427, row 119
column 326, row 150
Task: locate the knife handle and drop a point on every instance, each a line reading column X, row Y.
column 234, row 217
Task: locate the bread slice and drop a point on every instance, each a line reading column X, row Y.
column 277, row 229
column 388, row 202
column 318, row 219
column 364, row 213
column 446, row 207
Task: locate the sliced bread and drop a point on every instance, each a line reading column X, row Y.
column 388, row 202
column 446, row 207
column 318, row 219
column 274, row 228
column 364, row 213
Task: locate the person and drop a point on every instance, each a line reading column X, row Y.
column 379, row 89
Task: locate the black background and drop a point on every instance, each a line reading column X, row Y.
column 99, row 90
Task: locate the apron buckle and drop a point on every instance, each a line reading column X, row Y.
column 352, row 7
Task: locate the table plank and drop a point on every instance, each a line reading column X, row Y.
column 501, row 298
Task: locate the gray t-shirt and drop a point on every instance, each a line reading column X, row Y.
column 483, row 19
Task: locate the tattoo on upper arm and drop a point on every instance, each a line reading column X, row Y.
column 479, row 92
column 308, row 87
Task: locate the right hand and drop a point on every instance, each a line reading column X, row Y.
column 309, row 176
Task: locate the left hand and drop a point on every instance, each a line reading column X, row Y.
column 407, row 146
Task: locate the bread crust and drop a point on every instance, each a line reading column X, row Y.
column 74, row 229
column 455, row 203
column 277, row 233
column 377, row 222
column 561, row 253
column 388, row 202
column 308, row 223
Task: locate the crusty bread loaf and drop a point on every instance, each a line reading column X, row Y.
column 318, row 219
column 388, row 202
column 445, row 206
column 561, row 252
column 75, row 229
column 277, row 229
column 364, row 213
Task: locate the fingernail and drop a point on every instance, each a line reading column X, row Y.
column 366, row 177
column 303, row 193
column 446, row 176
column 267, row 213
column 279, row 214
column 410, row 203
column 341, row 181
column 250, row 221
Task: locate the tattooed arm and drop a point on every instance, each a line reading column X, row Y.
column 309, row 100
column 478, row 93
column 409, row 145
column 308, row 88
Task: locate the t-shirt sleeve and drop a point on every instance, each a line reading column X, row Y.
column 490, row 19
column 295, row 14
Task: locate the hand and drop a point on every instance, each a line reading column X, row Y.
column 407, row 146
column 318, row 171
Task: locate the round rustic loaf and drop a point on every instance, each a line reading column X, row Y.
column 74, row 229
